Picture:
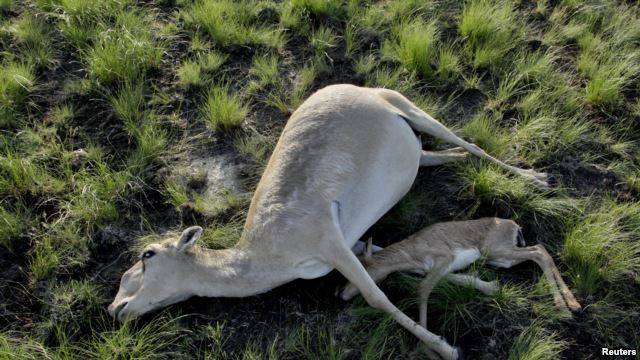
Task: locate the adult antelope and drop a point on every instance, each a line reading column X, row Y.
column 345, row 157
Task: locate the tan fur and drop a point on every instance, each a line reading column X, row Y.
column 432, row 250
column 345, row 157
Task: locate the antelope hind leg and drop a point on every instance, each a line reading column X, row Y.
column 423, row 122
column 433, row 158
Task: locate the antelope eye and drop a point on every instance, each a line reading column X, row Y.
column 148, row 254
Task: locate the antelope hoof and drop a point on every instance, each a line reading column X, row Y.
column 538, row 178
column 492, row 287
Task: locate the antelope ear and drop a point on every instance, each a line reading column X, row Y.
column 188, row 238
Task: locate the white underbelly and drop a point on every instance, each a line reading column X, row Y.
column 464, row 258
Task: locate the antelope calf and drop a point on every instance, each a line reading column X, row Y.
column 440, row 249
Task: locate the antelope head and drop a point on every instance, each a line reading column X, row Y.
column 162, row 276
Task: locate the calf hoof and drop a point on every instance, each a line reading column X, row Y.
column 574, row 306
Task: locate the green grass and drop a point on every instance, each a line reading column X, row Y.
column 176, row 193
column 33, row 38
column 103, row 104
column 17, row 80
column 602, row 248
column 415, row 47
column 265, row 72
column 153, row 340
column 124, row 51
column 16, row 345
column 128, row 103
column 151, row 141
column 490, row 30
column 484, row 132
column 43, row 261
column 11, row 227
column 70, row 308
column 322, row 41
column 222, row 236
column 549, row 136
column 537, row 343
column 485, row 183
column 327, row 8
column 193, row 73
column 222, row 110
column 302, row 83
column 232, row 23
column 607, row 76
column 98, row 189
column 22, row 176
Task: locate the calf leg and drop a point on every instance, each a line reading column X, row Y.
column 507, row 258
column 486, row 287
column 571, row 301
column 428, row 283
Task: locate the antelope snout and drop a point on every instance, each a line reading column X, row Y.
column 115, row 309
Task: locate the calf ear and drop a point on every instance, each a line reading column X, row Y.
column 368, row 250
column 188, row 238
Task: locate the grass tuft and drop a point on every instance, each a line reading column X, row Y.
column 222, row 110
column 490, row 30
column 327, row 8
column 33, row 38
column 151, row 341
column 603, row 247
column 488, row 135
column 11, row 227
column 124, row 51
column 70, row 308
column 232, row 23
column 537, row 343
column 17, row 80
column 489, row 185
column 192, row 73
column 416, row 47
